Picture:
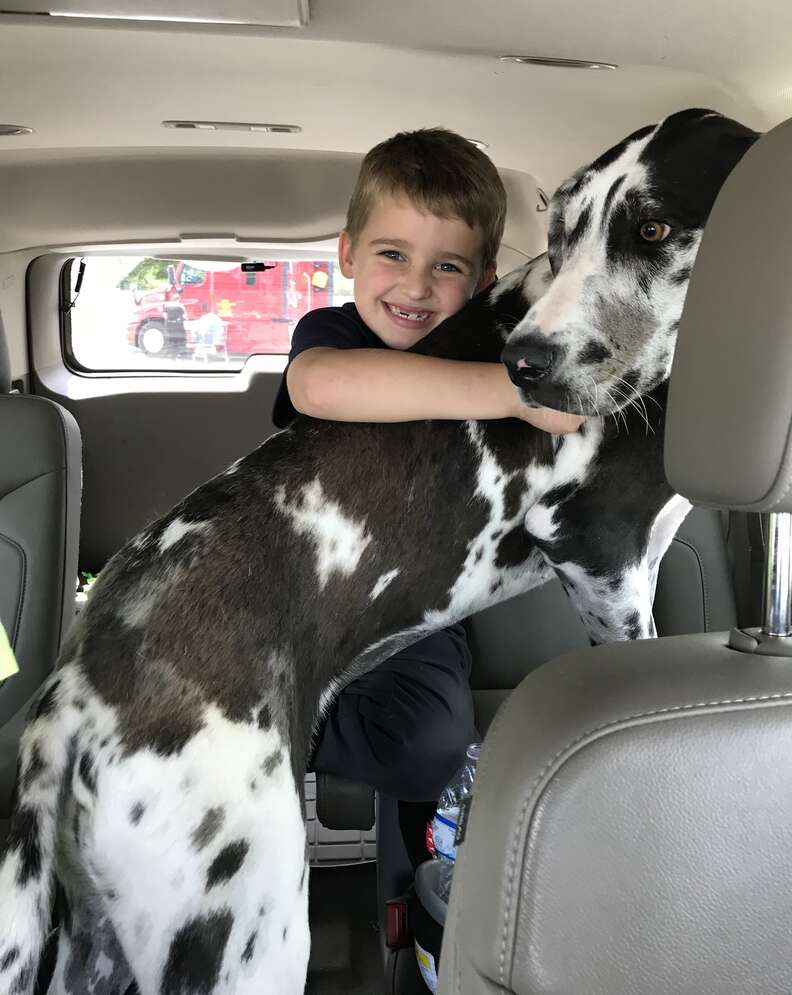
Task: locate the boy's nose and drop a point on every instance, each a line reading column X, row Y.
column 417, row 285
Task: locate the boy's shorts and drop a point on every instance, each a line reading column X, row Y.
column 403, row 727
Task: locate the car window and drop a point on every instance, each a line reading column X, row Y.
column 141, row 313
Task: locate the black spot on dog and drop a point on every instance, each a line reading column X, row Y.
column 631, row 379
column 302, row 877
column 247, row 953
column 87, row 772
column 227, row 863
column 136, row 813
column 9, row 958
column 22, row 981
column 285, row 931
column 479, row 554
column 566, row 581
column 79, row 704
column 512, row 496
column 34, row 768
column 24, row 838
column 614, row 188
column 496, row 535
column 614, row 153
column 264, row 717
column 594, row 352
column 47, row 701
column 514, row 548
column 681, row 276
column 557, row 495
column 580, row 229
column 208, row 828
column 275, row 759
column 632, row 625
column 196, row 955
column 494, row 588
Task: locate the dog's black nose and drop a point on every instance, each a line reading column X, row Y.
column 529, row 360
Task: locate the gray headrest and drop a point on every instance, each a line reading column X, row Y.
column 5, row 361
column 727, row 438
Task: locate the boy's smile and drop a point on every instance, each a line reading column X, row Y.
column 412, row 270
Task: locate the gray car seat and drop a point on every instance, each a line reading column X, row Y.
column 40, row 471
column 631, row 827
column 514, row 638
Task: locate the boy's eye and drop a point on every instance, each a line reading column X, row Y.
column 392, row 254
column 449, row 268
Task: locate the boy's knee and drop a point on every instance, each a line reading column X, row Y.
column 430, row 756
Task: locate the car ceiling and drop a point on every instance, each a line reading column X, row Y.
column 360, row 70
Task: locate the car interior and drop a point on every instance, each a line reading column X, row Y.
column 173, row 179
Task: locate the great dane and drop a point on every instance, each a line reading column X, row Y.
column 160, row 774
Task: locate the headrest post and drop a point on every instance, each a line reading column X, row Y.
column 777, row 608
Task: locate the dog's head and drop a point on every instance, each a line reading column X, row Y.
column 623, row 235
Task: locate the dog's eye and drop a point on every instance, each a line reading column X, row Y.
column 654, row 231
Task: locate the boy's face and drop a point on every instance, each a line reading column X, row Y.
column 412, row 270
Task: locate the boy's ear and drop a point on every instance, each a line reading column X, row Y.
column 345, row 254
column 489, row 276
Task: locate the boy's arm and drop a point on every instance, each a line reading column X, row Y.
column 378, row 385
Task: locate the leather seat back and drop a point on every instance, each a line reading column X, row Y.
column 40, row 479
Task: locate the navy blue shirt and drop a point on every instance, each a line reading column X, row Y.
column 332, row 327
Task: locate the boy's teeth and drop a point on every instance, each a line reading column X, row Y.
column 411, row 315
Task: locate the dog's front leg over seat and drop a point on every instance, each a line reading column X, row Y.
column 631, row 825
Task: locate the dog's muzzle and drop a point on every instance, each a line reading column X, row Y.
column 529, row 360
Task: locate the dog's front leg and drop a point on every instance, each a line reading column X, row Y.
column 609, row 568
column 613, row 606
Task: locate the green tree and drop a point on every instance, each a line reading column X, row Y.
column 149, row 274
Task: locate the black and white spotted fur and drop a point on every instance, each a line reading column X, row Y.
column 160, row 774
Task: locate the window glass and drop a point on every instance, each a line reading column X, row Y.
column 132, row 313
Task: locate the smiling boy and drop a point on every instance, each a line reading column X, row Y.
column 423, row 229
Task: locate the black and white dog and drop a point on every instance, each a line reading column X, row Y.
column 160, row 774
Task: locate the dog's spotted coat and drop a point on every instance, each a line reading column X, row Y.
column 160, row 775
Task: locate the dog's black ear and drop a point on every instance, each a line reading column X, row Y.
column 689, row 157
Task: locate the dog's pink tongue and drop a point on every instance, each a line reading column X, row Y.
column 521, row 364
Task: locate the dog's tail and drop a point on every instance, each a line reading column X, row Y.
column 46, row 758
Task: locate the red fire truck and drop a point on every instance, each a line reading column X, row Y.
column 219, row 308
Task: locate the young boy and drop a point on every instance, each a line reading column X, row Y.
column 423, row 228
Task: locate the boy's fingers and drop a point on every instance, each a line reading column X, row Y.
column 555, row 422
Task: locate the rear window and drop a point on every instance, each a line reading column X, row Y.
column 143, row 313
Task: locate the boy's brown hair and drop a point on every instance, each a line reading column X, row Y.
column 437, row 171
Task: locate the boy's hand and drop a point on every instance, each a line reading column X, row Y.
column 549, row 420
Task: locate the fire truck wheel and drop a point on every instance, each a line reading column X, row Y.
column 151, row 337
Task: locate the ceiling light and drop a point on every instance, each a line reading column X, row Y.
column 537, row 60
column 271, row 129
column 258, row 13
column 7, row 130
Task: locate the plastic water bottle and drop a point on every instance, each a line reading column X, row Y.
column 445, row 824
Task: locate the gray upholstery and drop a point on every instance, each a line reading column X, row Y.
column 730, row 396
column 694, row 594
column 39, row 527
column 631, row 829
column 5, row 362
